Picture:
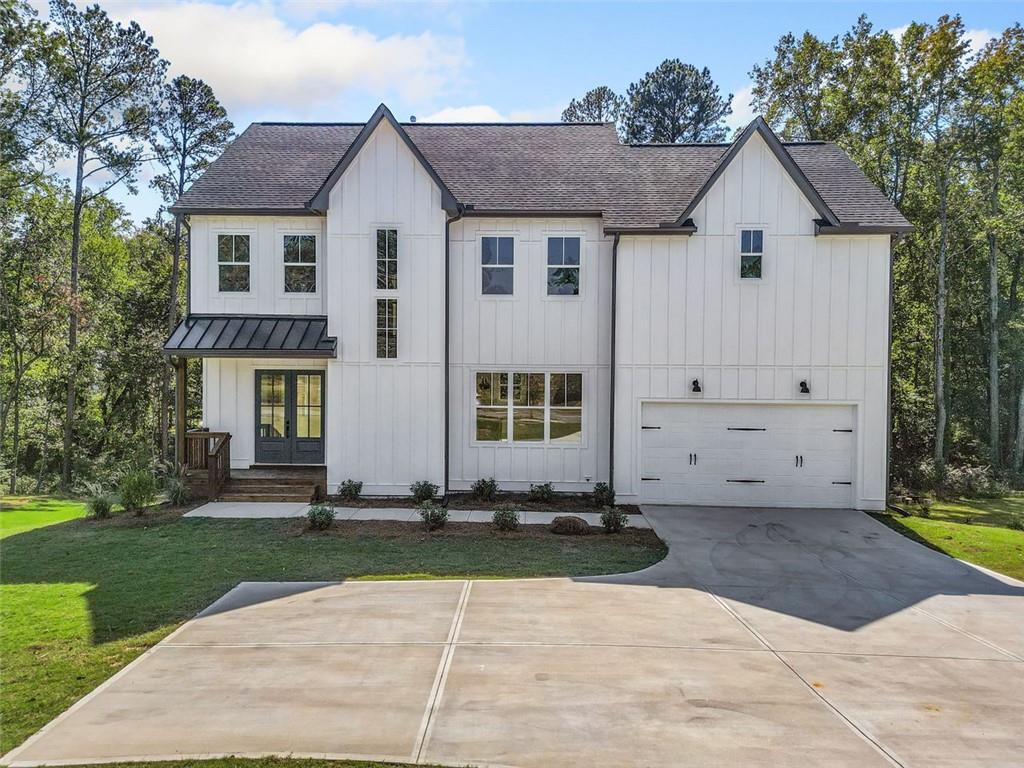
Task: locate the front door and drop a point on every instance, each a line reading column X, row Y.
column 290, row 417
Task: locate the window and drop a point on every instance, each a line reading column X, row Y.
column 300, row 263
column 387, row 328
column 387, row 259
column 308, row 405
column 233, row 263
column 751, row 252
column 563, row 266
column 541, row 407
column 497, row 260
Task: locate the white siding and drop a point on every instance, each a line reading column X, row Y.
column 530, row 332
column 819, row 313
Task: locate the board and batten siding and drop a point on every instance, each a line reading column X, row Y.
column 820, row 314
column 385, row 418
column 530, row 331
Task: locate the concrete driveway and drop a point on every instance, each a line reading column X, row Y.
column 767, row 637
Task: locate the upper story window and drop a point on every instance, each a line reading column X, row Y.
column 563, row 266
column 751, row 253
column 497, row 265
column 233, row 263
column 300, row 263
column 387, row 259
column 387, row 328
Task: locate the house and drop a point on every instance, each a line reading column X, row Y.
column 700, row 324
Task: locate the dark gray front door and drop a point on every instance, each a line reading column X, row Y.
column 290, row 417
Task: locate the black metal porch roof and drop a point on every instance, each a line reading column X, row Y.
column 252, row 336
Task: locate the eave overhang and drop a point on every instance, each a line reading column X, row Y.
column 263, row 336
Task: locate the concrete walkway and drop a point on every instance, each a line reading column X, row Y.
column 766, row 637
column 248, row 510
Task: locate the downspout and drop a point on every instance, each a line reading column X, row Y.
column 460, row 210
column 893, row 241
column 611, row 385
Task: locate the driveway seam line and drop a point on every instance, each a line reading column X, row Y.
column 437, row 689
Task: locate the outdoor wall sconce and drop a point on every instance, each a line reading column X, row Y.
column 804, row 389
column 695, row 387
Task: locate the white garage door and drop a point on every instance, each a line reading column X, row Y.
column 747, row 455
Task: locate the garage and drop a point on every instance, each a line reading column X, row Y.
column 757, row 455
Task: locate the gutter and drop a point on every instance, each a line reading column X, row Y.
column 447, row 343
column 611, row 384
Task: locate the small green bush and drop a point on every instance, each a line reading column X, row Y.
column 1016, row 524
column 505, row 517
column 137, row 490
column 603, row 495
column 541, row 492
column 423, row 490
column 319, row 517
column 99, row 501
column 350, row 490
column 485, row 489
column 176, row 490
column 613, row 519
column 433, row 515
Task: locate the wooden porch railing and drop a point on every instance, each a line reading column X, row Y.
column 210, row 451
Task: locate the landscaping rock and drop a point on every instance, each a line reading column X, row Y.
column 570, row 525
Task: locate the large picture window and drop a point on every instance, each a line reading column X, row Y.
column 497, row 266
column 300, row 263
column 563, row 266
column 387, row 259
column 387, row 328
column 539, row 407
column 233, row 263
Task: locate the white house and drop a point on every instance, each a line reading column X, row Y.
column 697, row 324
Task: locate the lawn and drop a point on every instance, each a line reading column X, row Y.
column 80, row 598
column 975, row 530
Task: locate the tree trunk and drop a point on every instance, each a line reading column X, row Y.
column 15, row 425
column 940, row 338
column 76, row 242
column 1018, row 451
column 993, row 332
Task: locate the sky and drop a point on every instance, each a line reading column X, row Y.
column 336, row 60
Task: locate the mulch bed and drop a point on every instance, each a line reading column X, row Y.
column 562, row 504
column 390, row 529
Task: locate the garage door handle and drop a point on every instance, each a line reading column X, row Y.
column 693, row 459
column 798, row 461
column 650, row 427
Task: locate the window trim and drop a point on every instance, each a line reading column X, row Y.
column 215, row 235
column 511, row 442
column 398, row 260
column 738, row 257
column 581, row 236
column 282, row 267
column 479, row 271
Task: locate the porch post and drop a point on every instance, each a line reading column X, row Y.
column 180, row 408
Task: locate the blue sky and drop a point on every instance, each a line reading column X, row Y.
column 335, row 60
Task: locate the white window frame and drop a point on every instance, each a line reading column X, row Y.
column 479, row 271
column 510, row 407
column 283, row 266
column 738, row 261
column 582, row 272
column 378, row 328
column 215, row 236
column 398, row 260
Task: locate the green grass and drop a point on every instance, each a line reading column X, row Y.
column 80, row 598
column 975, row 530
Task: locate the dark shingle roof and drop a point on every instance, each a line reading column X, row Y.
column 251, row 336
column 517, row 167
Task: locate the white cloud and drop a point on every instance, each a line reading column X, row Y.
column 742, row 111
column 253, row 57
column 484, row 113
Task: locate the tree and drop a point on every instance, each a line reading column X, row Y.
column 191, row 129
column 104, row 80
column 598, row 105
column 675, row 103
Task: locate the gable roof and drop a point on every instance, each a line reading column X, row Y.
column 527, row 168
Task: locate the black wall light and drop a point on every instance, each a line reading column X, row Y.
column 695, row 387
column 804, row 389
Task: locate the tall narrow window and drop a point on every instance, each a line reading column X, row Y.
column 492, row 407
column 387, row 328
column 233, row 263
column 497, row 265
column 528, row 406
column 387, row 259
column 300, row 263
column 566, row 403
column 308, row 404
column 751, row 252
column 563, row 266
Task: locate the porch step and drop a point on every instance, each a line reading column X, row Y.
column 246, row 496
column 275, row 482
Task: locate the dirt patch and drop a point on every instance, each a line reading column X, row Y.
column 566, row 503
column 160, row 514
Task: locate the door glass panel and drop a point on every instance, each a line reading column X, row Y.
column 308, row 388
column 272, row 405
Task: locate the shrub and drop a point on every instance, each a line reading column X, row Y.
column 603, row 495
column 137, row 490
column 505, row 517
column 613, row 519
column 176, row 490
column 1016, row 524
column 542, row 492
column 485, row 489
column 320, row 516
column 99, row 501
column 570, row 525
column 423, row 490
column 350, row 490
column 433, row 515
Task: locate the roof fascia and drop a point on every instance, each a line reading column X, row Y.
column 318, row 203
column 195, row 211
column 760, row 127
column 824, row 228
